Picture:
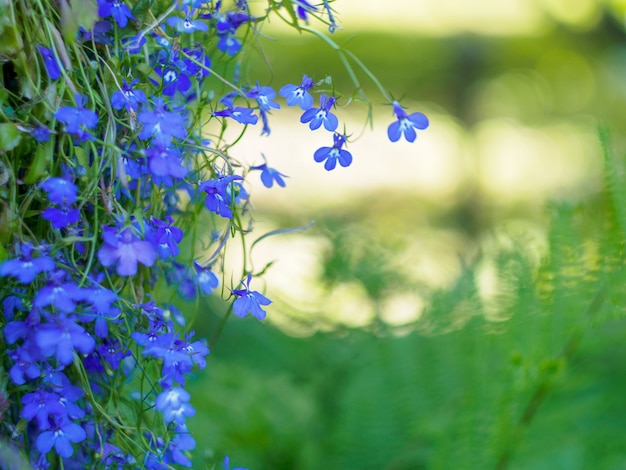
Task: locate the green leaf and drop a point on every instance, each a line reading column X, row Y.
column 37, row 169
column 9, row 136
column 86, row 13
column 3, row 253
column 69, row 22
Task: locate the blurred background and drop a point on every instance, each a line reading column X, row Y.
column 415, row 325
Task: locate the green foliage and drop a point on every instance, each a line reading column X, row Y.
column 528, row 377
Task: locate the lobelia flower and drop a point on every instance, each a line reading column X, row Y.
column 115, row 8
column 125, row 250
column 61, row 293
column 41, row 133
column 128, row 98
column 229, row 44
column 176, row 361
column 270, row 175
column 406, row 124
column 181, row 441
column 186, row 25
column 26, row 268
column 249, row 302
column 334, row 154
column 42, row 406
column 53, row 66
column 62, row 338
column 173, row 79
column 264, row 96
column 167, row 237
column 63, row 433
column 218, row 194
column 99, row 34
column 240, row 114
column 322, row 115
column 62, row 216
column 165, row 160
column 161, row 124
column 299, row 95
column 60, row 191
column 303, row 9
column 174, row 404
column 205, row 279
column 78, row 120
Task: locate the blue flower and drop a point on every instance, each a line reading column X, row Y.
column 161, row 124
column 51, row 62
column 406, row 124
column 173, row 79
column 174, row 404
column 299, row 95
column 270, row 175
column 61, row 436
column 61, row 217
column 322, row 115
column 249, row 302
column 264, row 96
column 62, row 338
column 240, row 114
column 218, row 194
column 77, row 120
column 167, row 237
column 26, row 268
column 205, row 278
column 334, row 154
column 41, row 133
column 229, row 44
column 128, row 98
column 186, row 25
column 125, row 249
column 59, row 292
column 115, row 8
column 60, row 190
column 164, row 160
column 303, row 9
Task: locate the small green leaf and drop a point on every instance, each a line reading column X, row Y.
column 69, row 22
column 9, row 136
column 37, row 169
column 86, row 13
column 3, row 253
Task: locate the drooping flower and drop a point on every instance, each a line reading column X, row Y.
column 303, row 9
column 334, row 154
column 53, row 66
column 406, row 124
column 322, row 115
column 240, row 114
column 249, row 302
column 269, row 176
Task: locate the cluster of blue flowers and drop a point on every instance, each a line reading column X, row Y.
column 96, row 365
